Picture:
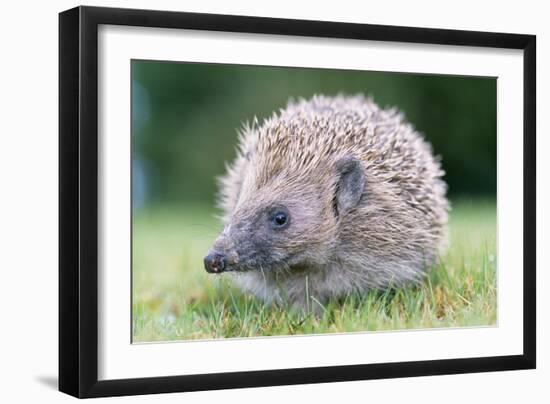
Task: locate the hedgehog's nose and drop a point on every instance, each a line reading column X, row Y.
column 214, row 262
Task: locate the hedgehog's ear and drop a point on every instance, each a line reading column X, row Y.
column 350, row 186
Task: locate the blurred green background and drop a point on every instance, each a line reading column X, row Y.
column 185, row 119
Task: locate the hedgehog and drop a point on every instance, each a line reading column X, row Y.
column 331, row 196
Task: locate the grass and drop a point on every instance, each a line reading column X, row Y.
column 175, row 299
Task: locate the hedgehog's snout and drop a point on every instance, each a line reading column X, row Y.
column 215, row 262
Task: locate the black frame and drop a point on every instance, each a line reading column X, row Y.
column 78, row 214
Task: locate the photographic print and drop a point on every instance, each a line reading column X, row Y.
column 249, row 201
column 276, row 201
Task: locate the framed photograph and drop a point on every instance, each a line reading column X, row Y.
column 252, row 201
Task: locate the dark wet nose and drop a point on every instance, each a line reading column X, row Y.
column 215, row 263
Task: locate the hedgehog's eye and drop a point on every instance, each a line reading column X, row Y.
column 279, row 219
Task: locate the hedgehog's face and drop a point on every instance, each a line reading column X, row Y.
column 269, row 237
column 290, row 229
